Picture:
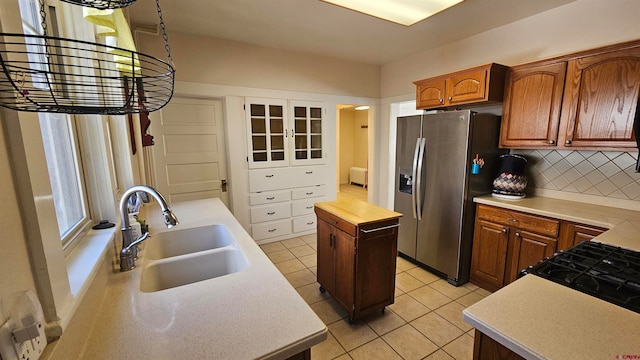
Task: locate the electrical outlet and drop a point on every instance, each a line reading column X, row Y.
column 22, row 335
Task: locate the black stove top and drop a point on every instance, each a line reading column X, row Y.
column 607, row 272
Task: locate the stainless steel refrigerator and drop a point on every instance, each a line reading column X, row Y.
column 434, row 187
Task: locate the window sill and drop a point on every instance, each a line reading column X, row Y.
column 82, row 266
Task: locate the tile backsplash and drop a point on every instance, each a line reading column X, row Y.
column 601, row 173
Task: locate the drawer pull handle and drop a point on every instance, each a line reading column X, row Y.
column 311, row 223
column 271, row 212
column 308, row 172
column 272, row 230
column 332, row 222
column 309, row 193
column 269, row 176
column 512, row 219
column 380, row 228
column 309, row 207
column 271, row 197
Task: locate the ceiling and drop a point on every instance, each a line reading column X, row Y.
column 316, row 27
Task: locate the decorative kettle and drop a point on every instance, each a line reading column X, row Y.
column 511, row 180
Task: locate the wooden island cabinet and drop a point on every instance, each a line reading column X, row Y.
column 357, row 249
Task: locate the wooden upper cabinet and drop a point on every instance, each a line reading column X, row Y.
column 479, row 85
column 601, row 99
column 531, row 108
column 586, row 100
column 430, row 94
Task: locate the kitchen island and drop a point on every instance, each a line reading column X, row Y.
column 539, row 319
column 251, row 314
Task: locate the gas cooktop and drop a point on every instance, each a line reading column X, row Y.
column 607, row 272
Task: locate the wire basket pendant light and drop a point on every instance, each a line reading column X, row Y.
column 42, row 73
column 102, row 4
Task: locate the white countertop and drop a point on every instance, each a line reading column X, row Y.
column 539, row 319
column 251, row 314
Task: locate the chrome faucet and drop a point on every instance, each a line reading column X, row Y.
column 129, row 251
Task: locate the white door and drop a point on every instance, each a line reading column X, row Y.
column 189, row 151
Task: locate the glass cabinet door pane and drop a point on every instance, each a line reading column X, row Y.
column 258, row 126
column 316, row 141
column 301, row 155
column 275, row 111
column 276, row 126
column 277, row 143
column 259, row 143
column 277, row 155
column 260, row 156
column 301, row 142
column 316, row 126
column 300, row 111
column 300, row 126
column 257, row 110
column 316, row 113
column 316, row 154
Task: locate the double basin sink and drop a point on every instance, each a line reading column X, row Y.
column 186, row 256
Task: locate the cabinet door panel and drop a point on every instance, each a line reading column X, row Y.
column 430, row 94
column 489, row 256
column 528, row 250
column 466, row 87
column 324, row 237
column 573, row 234
column 375, row 259
column 531, row 110
column 344, row 284
column 601, row 100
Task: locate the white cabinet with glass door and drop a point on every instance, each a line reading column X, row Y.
column 307, row 124
column 267, row 130
column 282, row 136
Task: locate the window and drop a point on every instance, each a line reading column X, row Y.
column 61, row 151
column 59, row 136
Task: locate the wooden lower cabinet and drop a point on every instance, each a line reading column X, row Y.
column 357, row 261
column 485, row 348
column 507, row 241
column 489, row 254
column 572, row 234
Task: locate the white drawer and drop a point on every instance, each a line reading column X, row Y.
column 302, row 207
column 272, row 229
column 270, row 212
column 284, row 178
column 304, row 223
column 269, row 197
column 308, row 192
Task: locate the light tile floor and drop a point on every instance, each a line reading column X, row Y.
column 425, row 321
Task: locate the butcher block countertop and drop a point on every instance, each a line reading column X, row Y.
column 357, row 212
column 539, row 319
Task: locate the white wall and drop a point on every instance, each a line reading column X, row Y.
column 223, row 62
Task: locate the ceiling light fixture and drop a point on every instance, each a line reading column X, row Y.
column 403, row 12
column 362, row 107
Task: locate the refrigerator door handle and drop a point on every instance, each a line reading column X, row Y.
column 418, row 195
column 413, row 178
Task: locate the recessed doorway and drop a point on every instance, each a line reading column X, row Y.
column 352, row 141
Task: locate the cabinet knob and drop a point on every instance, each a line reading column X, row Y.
column 504, row 230
column 567, row 142
column 551, row 142
column 518, row 234
column 441, row 101
column 450, row 98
